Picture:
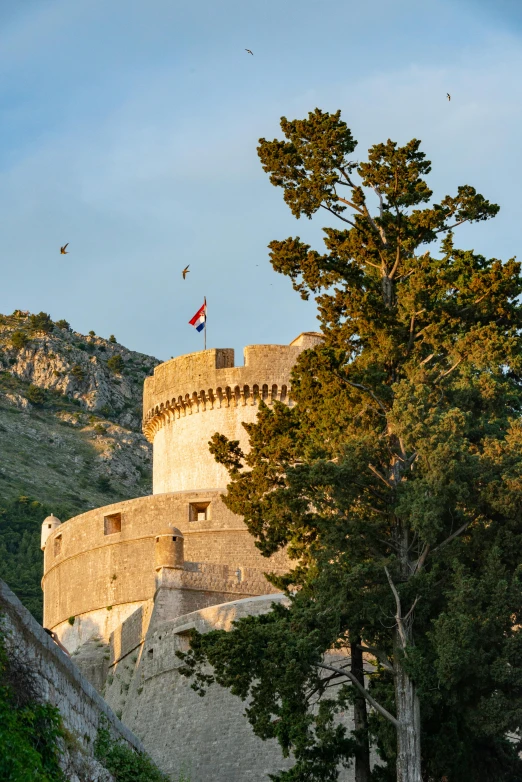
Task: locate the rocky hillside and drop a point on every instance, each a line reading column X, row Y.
column 70, row 415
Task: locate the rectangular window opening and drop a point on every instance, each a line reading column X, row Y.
column 112, row 524
column 199, row 511
column 57, row 545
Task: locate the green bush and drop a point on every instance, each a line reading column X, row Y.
column 29, row 730
column 63, row 324
column 36, row 395
column 125, row 764
column 78, row 372
column 92, row 333
column 112, row 338
column 41, row 322
column 103, row 483
column 116, row 364
column 19, row 339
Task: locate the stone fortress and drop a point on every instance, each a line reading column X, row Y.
column 124, row 584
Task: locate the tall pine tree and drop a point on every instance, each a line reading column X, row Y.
column 394, row 481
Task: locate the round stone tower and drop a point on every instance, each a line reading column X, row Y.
column 168, row 551
column 191, row 397
column 48, row 526
column 114, row 559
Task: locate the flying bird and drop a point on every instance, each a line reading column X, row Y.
column 249, row 51
column 448, row 96
column 185, row 271
column 63, row 249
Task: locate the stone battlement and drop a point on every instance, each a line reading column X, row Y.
column 209, row 380
column 227, row 397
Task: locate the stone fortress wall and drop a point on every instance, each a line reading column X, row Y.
column 100, row 567
column 59, row 682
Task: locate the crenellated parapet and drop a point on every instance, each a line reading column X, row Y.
column 213, row 399
column 208, row 380
column 191, row 397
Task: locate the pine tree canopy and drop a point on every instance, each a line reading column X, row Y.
column 394, row 481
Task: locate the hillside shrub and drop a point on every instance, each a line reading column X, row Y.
column 124, row 763
column 78, row 372
column 19, row 340
column 112, row 339
column 116, row 364
column 63, row 324
column 103, row 483
column 41, row 322
column 36, row 395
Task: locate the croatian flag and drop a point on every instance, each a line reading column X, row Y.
column 199, row 319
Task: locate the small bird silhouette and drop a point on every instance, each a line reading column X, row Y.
column 185, row 271
column 63, row 250
column 448, row 96
column 249, row 51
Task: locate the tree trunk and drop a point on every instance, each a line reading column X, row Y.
column 408, row 730
column 360, row 718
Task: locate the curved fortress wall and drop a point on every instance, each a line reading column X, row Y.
column 100, row 566
column 191, row 397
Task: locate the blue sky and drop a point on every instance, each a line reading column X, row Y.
column 129, row 129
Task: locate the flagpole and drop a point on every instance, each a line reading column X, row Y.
column 205, row 323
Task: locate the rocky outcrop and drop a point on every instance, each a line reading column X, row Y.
column 100, row 374
column 70, row 415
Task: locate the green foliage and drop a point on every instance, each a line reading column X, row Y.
column 396, row 479
column 41, row 322
column 63, row 324
column 21, row 562
column 92, row 333
column 19, row 340
column 29, row 730
column 112, row 339
column 125, row 764
column 36, row 395
column 103, row 483
column 116, row 364
column 78, row 372
column 72, row 620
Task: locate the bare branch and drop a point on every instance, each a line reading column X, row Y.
column 379, row 475
column 450, row 227
column 380, row 656
column 422, row 559
column 398, row 615
column 452, row 537
column 363, row 388
column 349, row 203
column 412, row 609
column 447, row 372
column 377, row 706
column 336, row 214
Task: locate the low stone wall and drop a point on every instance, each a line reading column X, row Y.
column 58, row 679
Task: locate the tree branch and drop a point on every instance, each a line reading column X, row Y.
column 398, row 615
column 443, row 374
column 362, row 388
column 380, row 656
column 336, row 214
column 452, row 537
column 381, row 476
column 377, row 706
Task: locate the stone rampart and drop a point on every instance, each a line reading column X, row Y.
column 100, row 566
column 191, row 397
column 206, row 738
column 58, row 680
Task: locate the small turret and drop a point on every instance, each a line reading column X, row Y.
column 48, row 526
column 169, row 549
